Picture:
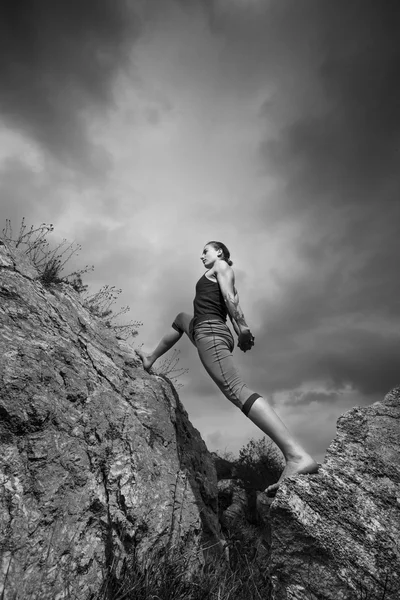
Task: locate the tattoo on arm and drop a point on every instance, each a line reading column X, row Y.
column 235, row 311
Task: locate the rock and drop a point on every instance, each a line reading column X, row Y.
column 16, row 259
column 335, row 535
column 99, row 464
column 233, row 502
column 247, row 534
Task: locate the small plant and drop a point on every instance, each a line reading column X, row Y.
column 165, row 577
column 75, row 280
column 100, row 303
column 260, row 463
column 50, row 262
column 51, row 272
column 168, row 368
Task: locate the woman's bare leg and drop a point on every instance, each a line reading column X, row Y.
column 298, row 461
column 165, row 344
column 182, row 324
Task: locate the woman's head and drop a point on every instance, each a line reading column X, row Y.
column 221, row 250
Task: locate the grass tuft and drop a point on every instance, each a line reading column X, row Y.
column 168, row 367
column 100, row 305
column 50, row 262
column 169, row 577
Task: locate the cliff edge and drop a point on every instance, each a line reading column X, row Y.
column 99, row 464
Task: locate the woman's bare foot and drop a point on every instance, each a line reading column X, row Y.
column 300, row 465
column 145, row 358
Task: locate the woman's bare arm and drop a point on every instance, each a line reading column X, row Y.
column 226, row 281
column 235, row 327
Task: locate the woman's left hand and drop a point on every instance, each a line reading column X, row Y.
column 246, row 340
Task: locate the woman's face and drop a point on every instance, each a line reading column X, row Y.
column 209, row 256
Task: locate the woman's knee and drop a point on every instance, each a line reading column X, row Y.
column 182, row 324
column 182, row 320
column 180, row 317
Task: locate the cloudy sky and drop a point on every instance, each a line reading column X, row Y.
column 142, row 129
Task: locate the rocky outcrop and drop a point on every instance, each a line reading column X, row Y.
column 233, row 502
column 336, row 535
column 99, row 464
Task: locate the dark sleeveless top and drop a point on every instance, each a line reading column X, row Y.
column 209, row 302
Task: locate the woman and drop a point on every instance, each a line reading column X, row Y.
column 216, row 298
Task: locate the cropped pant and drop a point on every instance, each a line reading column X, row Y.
column 214, row 342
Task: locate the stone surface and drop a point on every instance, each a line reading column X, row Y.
column 336, row 535
column 98, row 460
column 233, row 502
column 15, row 259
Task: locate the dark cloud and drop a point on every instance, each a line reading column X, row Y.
column 336, row 151
column 369, row 362
column 345, row 135
column 346, row 356
column 58, row 59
